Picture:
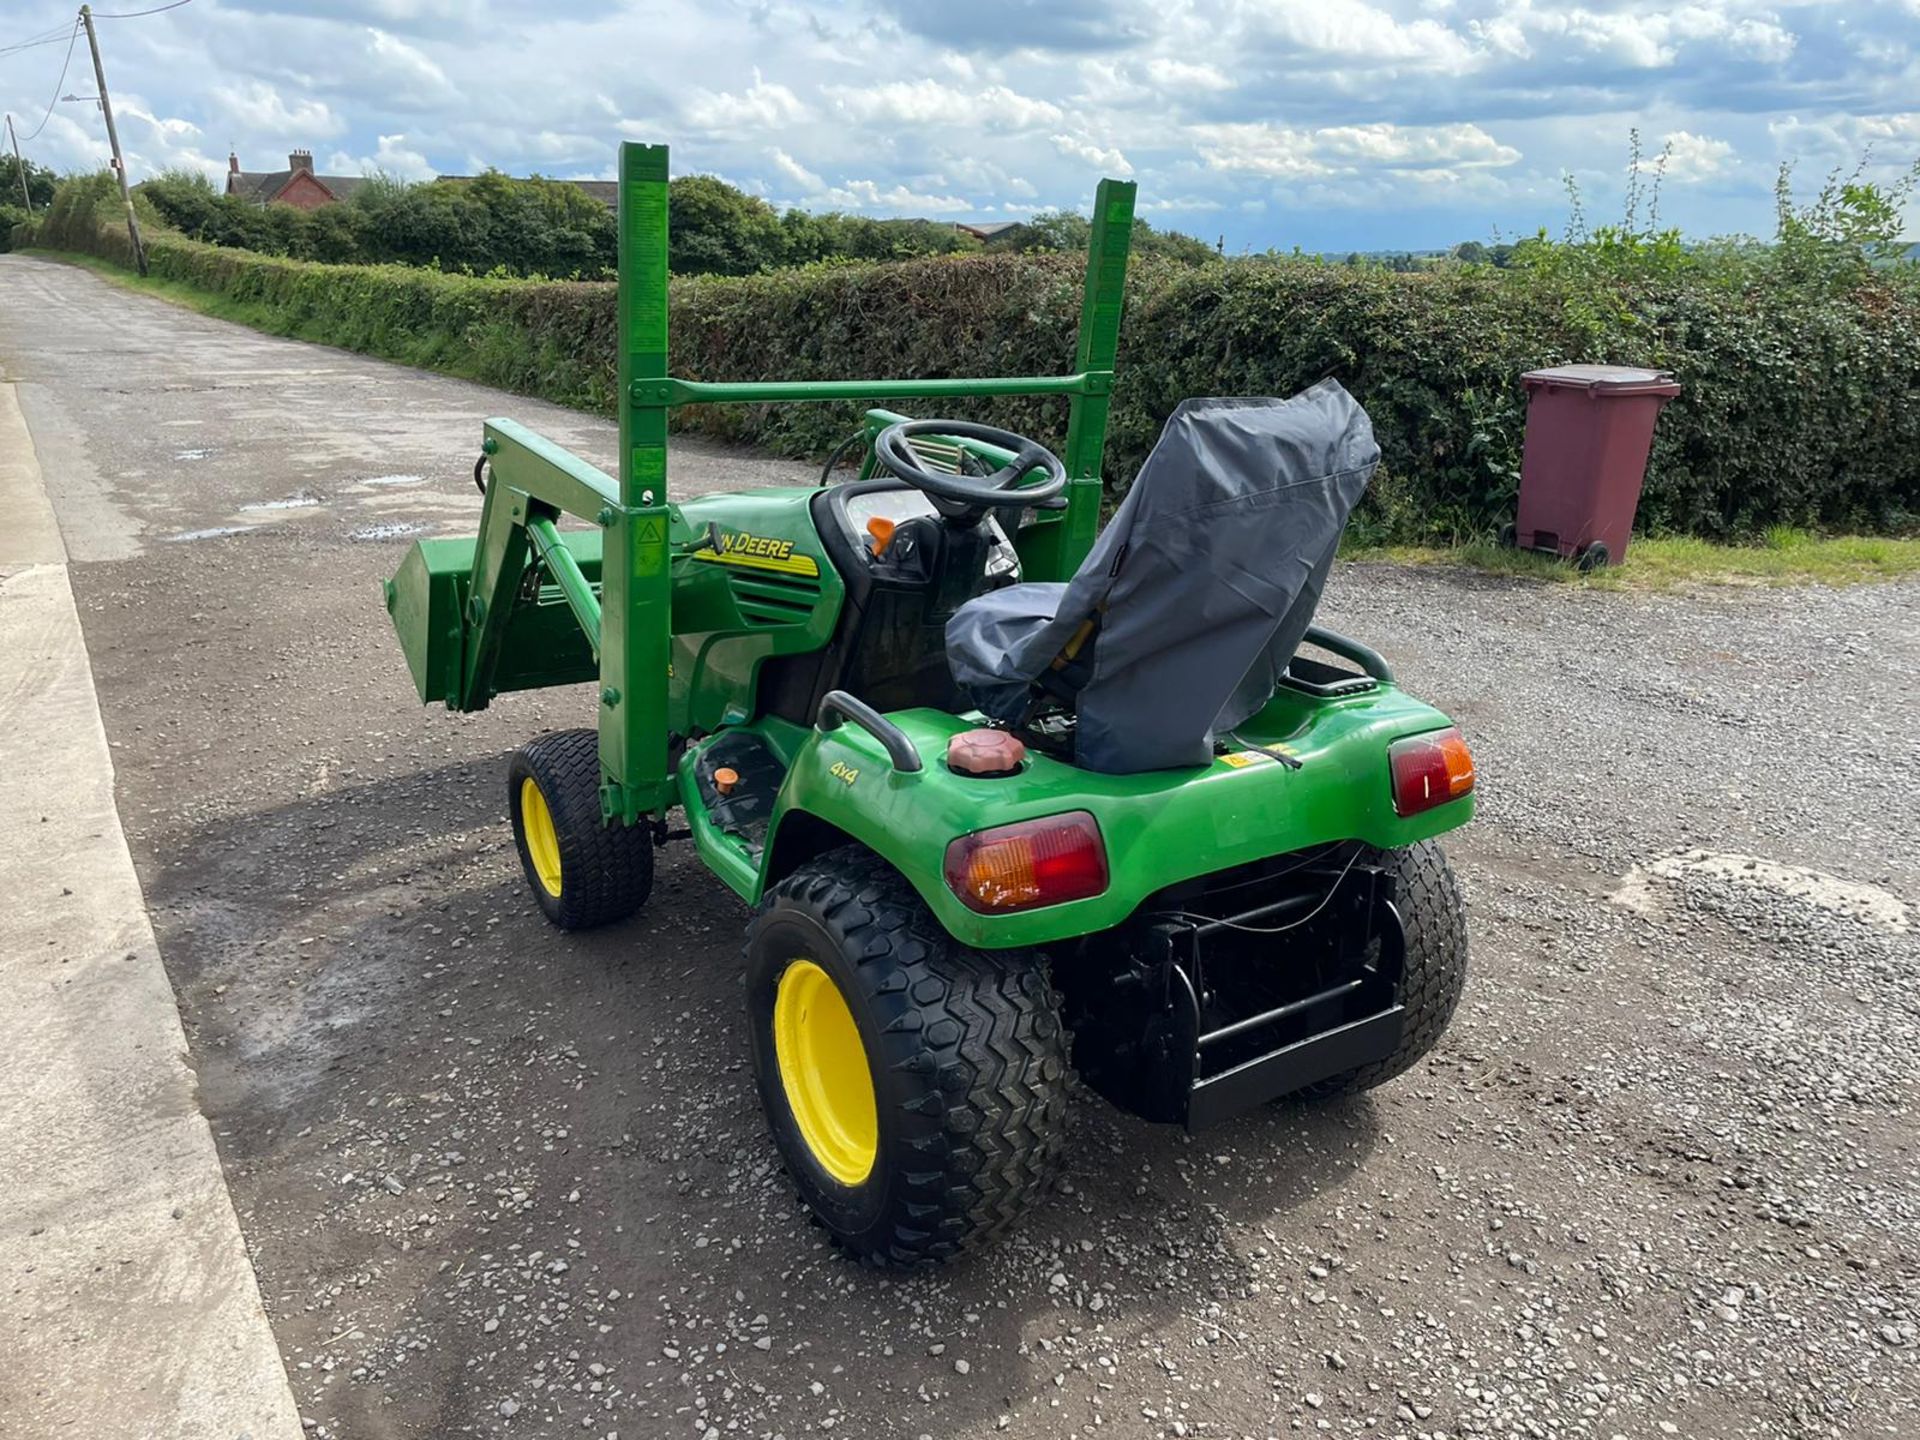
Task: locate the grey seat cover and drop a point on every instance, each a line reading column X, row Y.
column 1209, row 573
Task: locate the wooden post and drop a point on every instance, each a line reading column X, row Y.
column 113, row 139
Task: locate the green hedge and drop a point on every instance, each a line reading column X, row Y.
column 1801, row 404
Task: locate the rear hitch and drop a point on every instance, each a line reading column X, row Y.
column 1211, row 1014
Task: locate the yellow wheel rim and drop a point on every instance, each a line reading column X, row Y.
column 536, row 823
column 823, row 1070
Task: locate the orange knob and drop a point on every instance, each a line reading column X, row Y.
column 725, row 779
column 881, row 529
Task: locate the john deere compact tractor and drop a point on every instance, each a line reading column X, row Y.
column 1011, row 797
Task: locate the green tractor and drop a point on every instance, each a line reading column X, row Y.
column 1012, row 796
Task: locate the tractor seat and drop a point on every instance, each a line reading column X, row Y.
column 1191, row 603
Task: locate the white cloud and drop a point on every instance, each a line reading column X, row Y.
column 894, row 199
column 1414, row 146
column 763, row 105
column 1186, row 75
column 796, row 172
column 391, row 157
column 1361, row 31
column 1692, row 158
column 418, row 77
column 257, row 106
column 1107, row 160
column 1646, row 37
column 928, row 102
column 1289, row 154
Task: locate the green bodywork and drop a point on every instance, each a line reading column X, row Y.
column 672, row 628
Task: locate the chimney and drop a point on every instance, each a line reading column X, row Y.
column 233, row 163
column 301, row 160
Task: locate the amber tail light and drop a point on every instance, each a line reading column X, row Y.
column 1034, row 862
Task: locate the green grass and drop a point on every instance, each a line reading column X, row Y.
column 257, row 317
column 1783, row 556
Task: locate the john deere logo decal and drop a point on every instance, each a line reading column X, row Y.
column 760, row 552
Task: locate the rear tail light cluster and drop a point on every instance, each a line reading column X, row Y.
column 1429, row 770
column 1035, row 862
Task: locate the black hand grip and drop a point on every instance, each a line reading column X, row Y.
column 1367, row 658
column 837, row 705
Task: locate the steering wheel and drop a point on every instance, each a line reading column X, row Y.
column 966, row 497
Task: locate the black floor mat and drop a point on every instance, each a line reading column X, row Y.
column 745, row 811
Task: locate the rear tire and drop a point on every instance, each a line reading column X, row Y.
column 958, row 1127
column 1431, row 910
column 582, row 872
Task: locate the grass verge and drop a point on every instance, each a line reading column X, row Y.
column 1785, row 557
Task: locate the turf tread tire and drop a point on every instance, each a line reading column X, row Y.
column 1435, row 973
column 967, row 1052
column 606, row 871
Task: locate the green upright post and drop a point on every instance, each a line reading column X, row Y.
column 1057, row 550
column 637, row 601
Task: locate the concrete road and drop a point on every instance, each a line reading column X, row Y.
column 1659, row 1179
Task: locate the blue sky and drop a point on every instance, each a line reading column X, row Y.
column 1328, row 124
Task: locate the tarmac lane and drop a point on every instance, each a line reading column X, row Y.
column 497, row 1180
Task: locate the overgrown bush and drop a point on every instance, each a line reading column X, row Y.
column 1800, row 406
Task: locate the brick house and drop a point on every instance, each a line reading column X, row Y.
column 297, row 185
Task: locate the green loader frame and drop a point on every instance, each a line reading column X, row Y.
column 617, row 582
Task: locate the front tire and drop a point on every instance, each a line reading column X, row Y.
column 916, row 1089
column 1435, row 972
column 583, row 872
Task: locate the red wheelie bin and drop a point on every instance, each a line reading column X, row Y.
column 1589, row 430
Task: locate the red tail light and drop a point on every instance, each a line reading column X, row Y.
column 1036, row 862
column 1429, row 770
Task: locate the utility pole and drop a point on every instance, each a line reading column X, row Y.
column 19, row 165
column 113, row 139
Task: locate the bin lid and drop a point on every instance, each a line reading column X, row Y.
column 1604, row 379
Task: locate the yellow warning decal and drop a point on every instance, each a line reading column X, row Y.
column 760, row 552
column 1240, row 759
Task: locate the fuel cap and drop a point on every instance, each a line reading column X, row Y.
column 986, row 753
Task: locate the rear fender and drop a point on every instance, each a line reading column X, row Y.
column 1159, row 828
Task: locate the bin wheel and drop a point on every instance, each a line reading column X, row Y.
column 582, row 872
column 1509, row 537
column 1593, row 557
column 916, row 1089
column 1435, row 970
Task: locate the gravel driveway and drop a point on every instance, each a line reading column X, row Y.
column 1660, row 1178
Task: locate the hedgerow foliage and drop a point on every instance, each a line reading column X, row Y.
column 1799, row 361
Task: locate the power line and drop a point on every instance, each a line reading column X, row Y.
column 136, row 14
column 72, row 40
column 47, row 37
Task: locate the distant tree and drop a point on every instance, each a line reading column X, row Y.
column 714, row 228
column 1470, row 252
column 1067, row 231
column 832, row 235
column 41, row 182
